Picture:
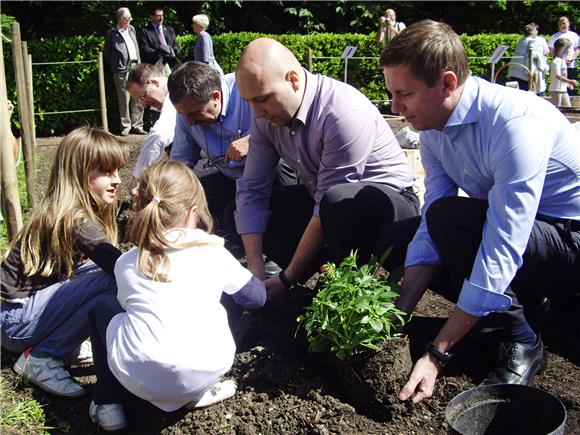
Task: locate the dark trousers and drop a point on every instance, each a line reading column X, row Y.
column 220, row 191
column 572, row 75
column 551, row 261
column 353, row 213
column 107, row 389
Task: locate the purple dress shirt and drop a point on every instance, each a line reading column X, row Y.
column 337, row 136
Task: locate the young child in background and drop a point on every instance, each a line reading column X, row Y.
column 48, row 286
column 172, row 342
column 559, row 81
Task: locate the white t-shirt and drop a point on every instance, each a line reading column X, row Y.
column 173, row 342
column 558, row 68
column 570, row 36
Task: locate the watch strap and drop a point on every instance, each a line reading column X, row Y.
column 442, row 357
column 285, row 281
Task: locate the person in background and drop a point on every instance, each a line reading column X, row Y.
column 148, row 86
column 203, row 51
column 389, row 27
column 166, row 337
column 537, row 47
column 559, row 82
column 158, row 43
column 61, row 261
column 515, row 240
column 572, row 53
column 355, row 175
column 121, row 52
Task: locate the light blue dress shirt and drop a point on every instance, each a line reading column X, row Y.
column 214, row 139
column 515, row 150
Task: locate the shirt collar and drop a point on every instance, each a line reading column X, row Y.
column 465, row 111
column 226, row 92
column 309, row 94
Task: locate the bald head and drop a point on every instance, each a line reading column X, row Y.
column 272, row 80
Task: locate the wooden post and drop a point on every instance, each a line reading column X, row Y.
column 27, row 59
column 24, row 113
column 9, row 181
column 102, row 94
column 309, row 59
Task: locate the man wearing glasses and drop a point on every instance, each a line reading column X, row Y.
column 148, row 86
column 213, row 122
column 121, row 52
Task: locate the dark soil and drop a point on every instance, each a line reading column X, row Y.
column 283, row 390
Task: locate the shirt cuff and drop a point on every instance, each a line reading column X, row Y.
column 479, row 302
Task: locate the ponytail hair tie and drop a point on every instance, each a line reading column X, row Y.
column 157, row 199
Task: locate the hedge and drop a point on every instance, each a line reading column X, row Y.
column 75, row 86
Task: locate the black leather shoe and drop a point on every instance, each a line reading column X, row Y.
column 516, row 364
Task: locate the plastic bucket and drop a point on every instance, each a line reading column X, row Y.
column 505, row 409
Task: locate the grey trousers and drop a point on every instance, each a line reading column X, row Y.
column 130, row 111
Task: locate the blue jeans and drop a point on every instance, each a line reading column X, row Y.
column 54, row 321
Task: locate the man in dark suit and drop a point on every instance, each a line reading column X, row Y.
column 158, row 43
column 121, row 53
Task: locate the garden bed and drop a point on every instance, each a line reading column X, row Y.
column 282, row 390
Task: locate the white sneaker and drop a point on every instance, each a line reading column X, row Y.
column 81, row 355
column 220, row 391
column 48, row 374
column 110, row 417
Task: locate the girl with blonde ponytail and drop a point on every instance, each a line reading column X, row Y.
column 48, row 286
column 167, row 338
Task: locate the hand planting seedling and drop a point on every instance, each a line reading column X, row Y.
column 354, row 311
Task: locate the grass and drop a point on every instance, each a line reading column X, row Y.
column 20, row 416
column 4, row 241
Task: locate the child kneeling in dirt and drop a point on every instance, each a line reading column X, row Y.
column 173, row 343
column 48, row 286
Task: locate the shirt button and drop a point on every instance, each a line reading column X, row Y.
column 298, row 161
column 292, row 132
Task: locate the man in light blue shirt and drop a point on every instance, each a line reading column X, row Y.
column 516, row 239
column 212, row 119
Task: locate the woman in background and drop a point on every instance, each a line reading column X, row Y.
column 203, row 51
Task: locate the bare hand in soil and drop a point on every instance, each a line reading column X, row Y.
column 274, row 288
column 422, row 380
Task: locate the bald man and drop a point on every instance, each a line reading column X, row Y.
column 354, row 175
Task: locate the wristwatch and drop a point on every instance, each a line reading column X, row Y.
column 286, row 281
column 442, row 357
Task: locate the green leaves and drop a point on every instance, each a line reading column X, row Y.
column 354, row 311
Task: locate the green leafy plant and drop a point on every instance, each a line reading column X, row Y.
column 354, row 311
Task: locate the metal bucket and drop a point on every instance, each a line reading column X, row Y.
column 506, row 409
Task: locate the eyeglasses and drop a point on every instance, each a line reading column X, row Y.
column 143, row 95
column 127, row 18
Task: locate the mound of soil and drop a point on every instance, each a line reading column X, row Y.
column 282, row 390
